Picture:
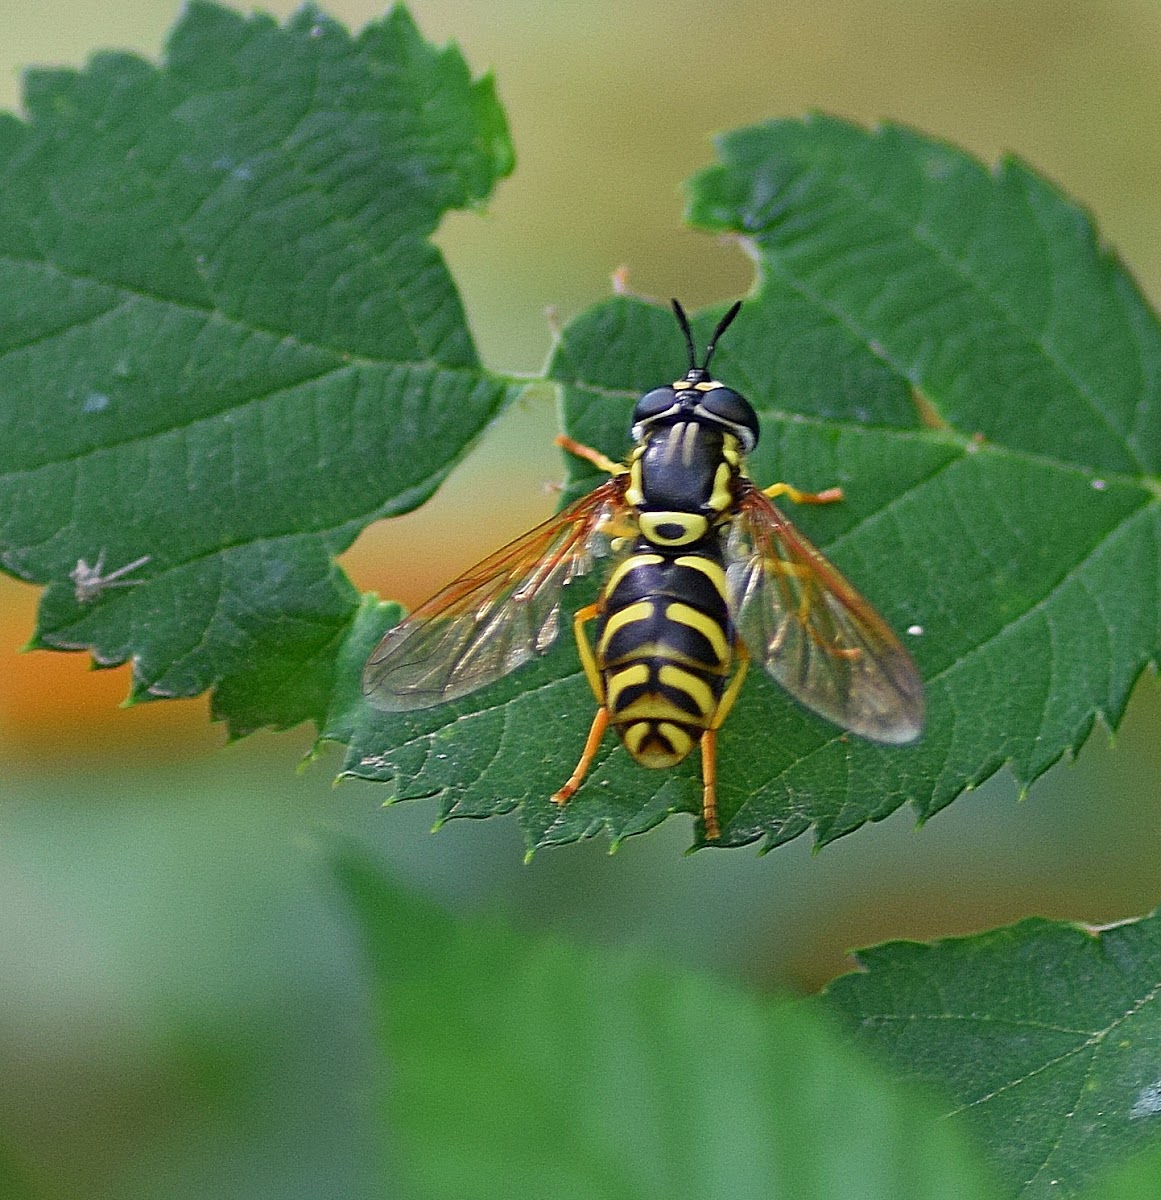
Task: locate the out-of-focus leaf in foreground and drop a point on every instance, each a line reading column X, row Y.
column 954, row 348
column 226, row 343
column 1138, row 1179
column 14, row 1185
column 1046, row 1034
column 521, row 1066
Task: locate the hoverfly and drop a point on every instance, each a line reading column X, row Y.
column 707, row 573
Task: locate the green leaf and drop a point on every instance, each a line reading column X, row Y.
column 227, row 344
column 1047, row 1035
column 1138, row 1179
column 953, row 347
column 15, row 1183
column 520, row 1066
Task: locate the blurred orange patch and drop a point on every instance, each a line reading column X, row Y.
column 55, row 706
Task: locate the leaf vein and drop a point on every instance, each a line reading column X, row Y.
column 1016, row 1023
column 978, row 285
column 284, row 337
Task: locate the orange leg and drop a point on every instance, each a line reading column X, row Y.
column 829, row 496
column 600, row 461
column 709, row 745
column 709, row 779
column 600, row 724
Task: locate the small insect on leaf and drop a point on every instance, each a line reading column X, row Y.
column 706, row 575
column 90, row 581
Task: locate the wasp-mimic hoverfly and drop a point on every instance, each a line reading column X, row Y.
column 707, row 573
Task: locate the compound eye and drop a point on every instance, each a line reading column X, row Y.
column 732, row 409
column 654, row 404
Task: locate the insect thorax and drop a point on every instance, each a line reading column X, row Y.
column 682, row 482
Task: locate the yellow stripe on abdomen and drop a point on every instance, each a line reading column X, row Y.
column 651, row 707
column 710, row 569
column 695, row 688
column 618, row 681
column 631, row 564
column 643, row 610
column 662, row 652
column 709, row 629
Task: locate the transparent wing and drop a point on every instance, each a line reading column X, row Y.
column 493, row 618
column 813, row 632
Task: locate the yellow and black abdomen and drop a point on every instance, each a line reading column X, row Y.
column 664, row 649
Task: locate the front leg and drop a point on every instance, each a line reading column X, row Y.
column 828, row 496
column 599, row 460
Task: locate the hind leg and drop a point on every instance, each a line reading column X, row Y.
column 596, row 732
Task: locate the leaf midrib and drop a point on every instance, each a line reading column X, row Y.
column 127, row 295
column 237, row 406
column 348, row 361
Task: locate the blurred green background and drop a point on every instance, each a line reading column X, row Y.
column 183, row 1001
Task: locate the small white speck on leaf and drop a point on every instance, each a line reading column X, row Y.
column 915, row 630
column 1098, row 485
column 96, row 402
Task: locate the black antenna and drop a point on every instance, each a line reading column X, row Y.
column 723, row 325
column 683, row 321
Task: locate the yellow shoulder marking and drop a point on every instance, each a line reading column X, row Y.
column 722, row 498
column 634, row 495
